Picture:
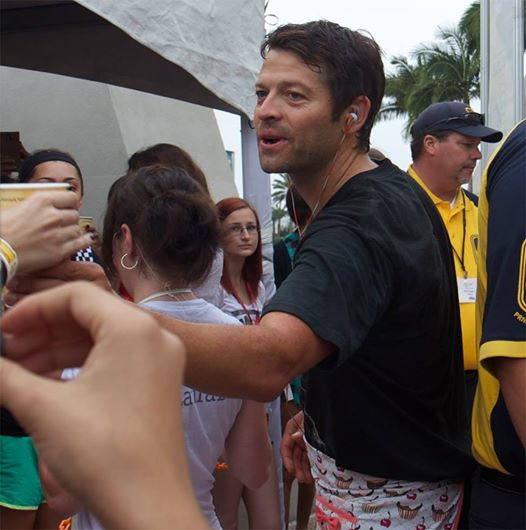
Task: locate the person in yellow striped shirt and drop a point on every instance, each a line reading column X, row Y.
column 499, row 413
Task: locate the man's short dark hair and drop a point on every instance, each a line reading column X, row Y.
column 418, row 142
column 350, row 61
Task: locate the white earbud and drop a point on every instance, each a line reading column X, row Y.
column 353, row 115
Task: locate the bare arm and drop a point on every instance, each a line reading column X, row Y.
column 250, row 362
column 65, row 272
column 247, row 447
column 511, row 374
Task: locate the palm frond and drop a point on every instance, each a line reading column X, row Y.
column 444, row 70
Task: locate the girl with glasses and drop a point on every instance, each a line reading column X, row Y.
column 242, row 295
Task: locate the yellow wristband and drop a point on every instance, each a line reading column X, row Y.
column 9, row 257
column 8, row 251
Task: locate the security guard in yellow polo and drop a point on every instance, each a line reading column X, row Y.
column 445, row 151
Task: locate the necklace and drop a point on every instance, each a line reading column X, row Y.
column 171, row 293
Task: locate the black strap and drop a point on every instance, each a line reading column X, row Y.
column 461, row 257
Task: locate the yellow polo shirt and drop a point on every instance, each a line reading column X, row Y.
column 453, row 219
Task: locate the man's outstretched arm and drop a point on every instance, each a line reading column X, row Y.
column 251, row 362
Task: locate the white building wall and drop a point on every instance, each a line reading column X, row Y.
column 102, row 125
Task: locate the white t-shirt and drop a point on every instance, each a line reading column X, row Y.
column 207, row 419
column 229, row 304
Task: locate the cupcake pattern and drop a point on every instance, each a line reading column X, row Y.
column 348, row 500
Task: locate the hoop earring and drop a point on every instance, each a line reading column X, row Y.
column 124, row 266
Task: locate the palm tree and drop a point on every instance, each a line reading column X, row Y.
column 451, row 65
column 407, row 91
column 446, row 70
column 441, row 71
column 470, row 25
column 278, row 228
column 280, row 185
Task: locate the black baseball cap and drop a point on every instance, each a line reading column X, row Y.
column 454, row 116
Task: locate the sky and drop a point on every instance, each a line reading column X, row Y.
column 397, row 25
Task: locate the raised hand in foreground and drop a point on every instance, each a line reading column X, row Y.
column 43, row 230
column 113, row 436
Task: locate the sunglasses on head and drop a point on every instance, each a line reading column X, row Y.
column 473, row 117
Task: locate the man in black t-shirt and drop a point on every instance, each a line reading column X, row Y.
column 370, row 310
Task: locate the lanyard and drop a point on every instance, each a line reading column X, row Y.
column 245, row 308
column 461, row 258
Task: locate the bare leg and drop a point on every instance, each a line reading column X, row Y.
column 16, row 519
column 46, row 518
column 263, row 504
column 288, row 479
column 305, row 498
column 226, row 493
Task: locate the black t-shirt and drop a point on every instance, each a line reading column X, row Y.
column 374, row 276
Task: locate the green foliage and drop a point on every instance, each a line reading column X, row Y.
column 280, row 185
column 280, row 222
column 470, row 25
column 408, row 91
column 452, row 67
column 445, row 70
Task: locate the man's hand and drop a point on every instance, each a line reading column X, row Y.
column 293, row 450
column 113, row 436
column 43, row 229
column 60, row 274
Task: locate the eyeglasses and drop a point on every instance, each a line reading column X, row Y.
column 238, row 229
column 473, row 117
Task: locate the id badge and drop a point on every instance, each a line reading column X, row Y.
column 467, row 290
